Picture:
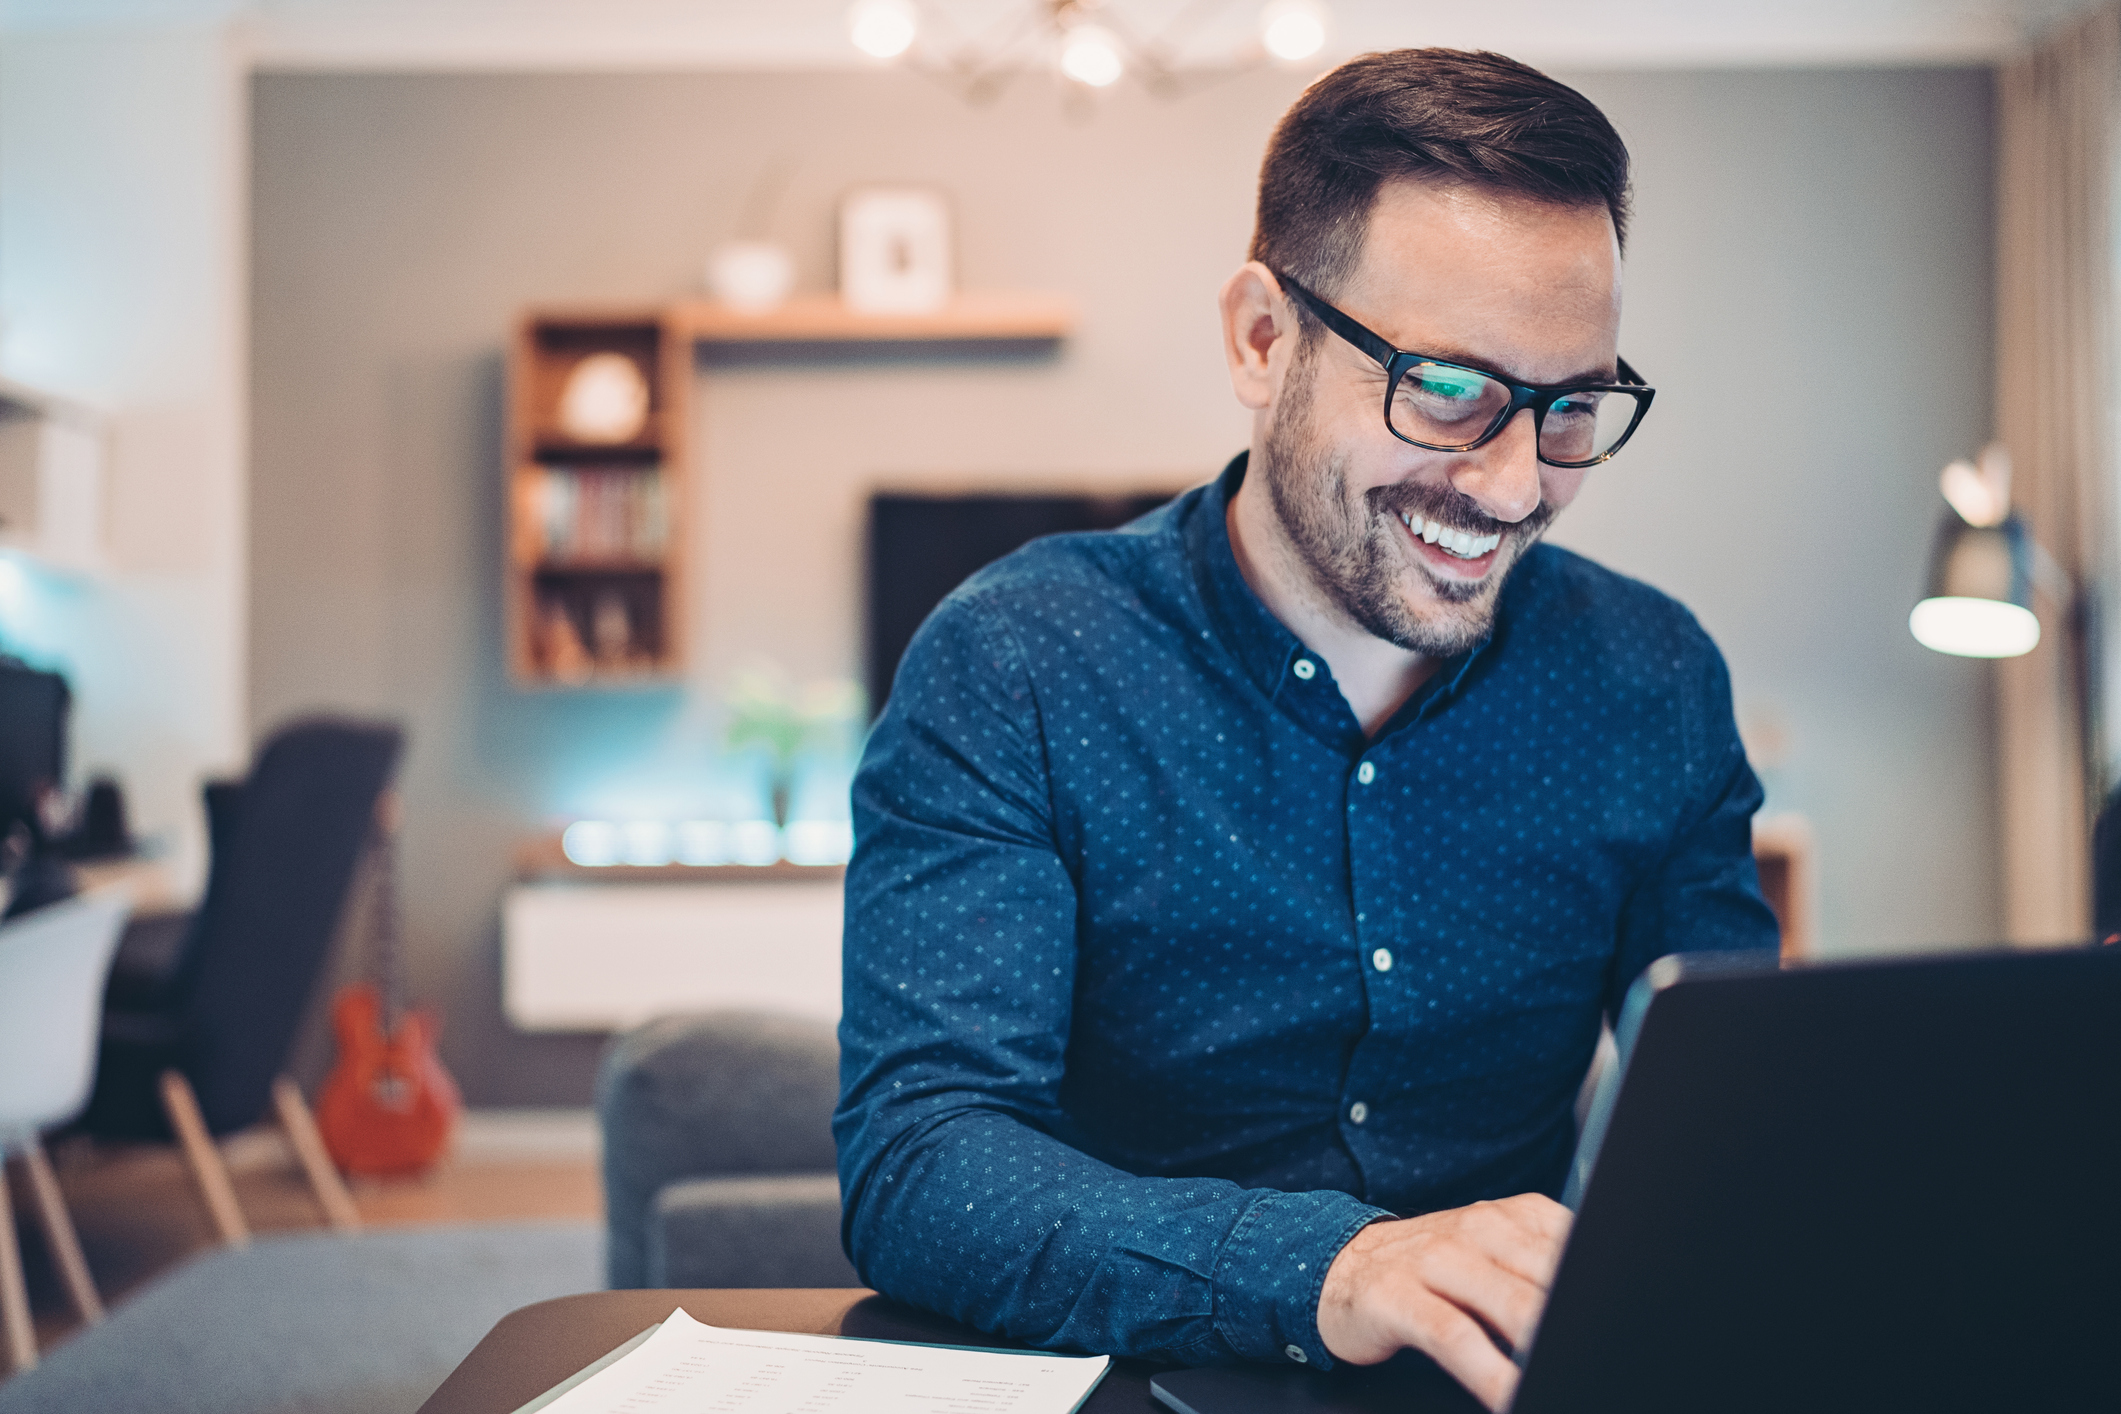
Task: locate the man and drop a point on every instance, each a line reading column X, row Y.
column 1237, row 895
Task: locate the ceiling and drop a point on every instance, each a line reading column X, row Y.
column 811, row 34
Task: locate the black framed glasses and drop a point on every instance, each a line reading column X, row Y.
column 1454, row 407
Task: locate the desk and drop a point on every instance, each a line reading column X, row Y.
column 534, row 1348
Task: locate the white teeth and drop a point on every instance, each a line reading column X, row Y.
column 1463, row 544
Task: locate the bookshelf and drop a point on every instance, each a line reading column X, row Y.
column 596, row 534
column 595, row 560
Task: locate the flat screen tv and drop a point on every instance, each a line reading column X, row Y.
column 923, row 546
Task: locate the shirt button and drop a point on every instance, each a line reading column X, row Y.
column 1382, row 959
column 1366, row 773
column 1304, row 669
column 1358, row 1112
column 1296, row 1353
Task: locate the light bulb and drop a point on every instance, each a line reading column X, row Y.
column 883, row 29
column 1292, row 29
column 646, row 842
column 591, row 843
column 1981, row 495
column 1090, row 55
column 702, row 842
column 820, row 841
column 1974, row 628
column 755, row 842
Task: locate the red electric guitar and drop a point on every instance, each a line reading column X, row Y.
column 388, row 1108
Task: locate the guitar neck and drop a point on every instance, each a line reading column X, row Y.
column 386, row 954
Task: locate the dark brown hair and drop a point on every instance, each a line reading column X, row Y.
column 1445, row 114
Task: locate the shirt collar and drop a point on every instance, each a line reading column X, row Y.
column 1262, row 644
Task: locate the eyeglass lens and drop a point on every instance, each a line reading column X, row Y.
column 1445, row 406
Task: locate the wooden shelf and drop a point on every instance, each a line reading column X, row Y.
column 824, row 319
column 590, row 566
column 640, row 452
column 612, row 679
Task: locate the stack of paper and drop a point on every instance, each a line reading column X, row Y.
column 683, row 1365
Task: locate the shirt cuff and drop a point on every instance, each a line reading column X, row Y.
column 1271, row 1268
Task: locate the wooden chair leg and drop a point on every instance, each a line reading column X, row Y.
column 324, row 1181
column 59, row 1234
column 207, row 1170
column 14, row 1291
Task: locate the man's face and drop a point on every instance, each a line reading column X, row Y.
column 1526, row 290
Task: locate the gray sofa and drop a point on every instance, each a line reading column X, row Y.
column 718, row 1159
column 309, row 1323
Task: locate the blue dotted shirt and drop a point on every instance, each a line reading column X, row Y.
column 1161, row 980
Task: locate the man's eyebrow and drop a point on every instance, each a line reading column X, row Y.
column 1608, row 373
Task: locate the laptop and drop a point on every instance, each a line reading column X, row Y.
column 1870, row 1185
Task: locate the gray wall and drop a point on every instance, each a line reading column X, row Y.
column 1813, row 241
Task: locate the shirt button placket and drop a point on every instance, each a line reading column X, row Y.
column 1380, row 958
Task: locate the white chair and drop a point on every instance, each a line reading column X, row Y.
column 53, row 966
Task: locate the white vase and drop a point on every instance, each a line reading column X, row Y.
column 751, row 277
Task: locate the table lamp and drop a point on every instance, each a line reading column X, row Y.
column 1979, row 603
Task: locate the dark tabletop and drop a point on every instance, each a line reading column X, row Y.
column 533, row 1349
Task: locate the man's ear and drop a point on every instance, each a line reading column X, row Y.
column 1259, row 333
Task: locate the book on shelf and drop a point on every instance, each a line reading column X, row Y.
column 592, row 515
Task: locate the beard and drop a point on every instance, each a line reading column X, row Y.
column 1355, row 547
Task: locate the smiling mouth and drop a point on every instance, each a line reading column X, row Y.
column 1458, row 544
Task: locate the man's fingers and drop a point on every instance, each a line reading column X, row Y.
column 1456, row 1341
column 1543, row 1215
column 1508, row 1302
column 1442, row 1283
column 1519, row 1236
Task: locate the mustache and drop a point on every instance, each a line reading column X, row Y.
column 1449, row 506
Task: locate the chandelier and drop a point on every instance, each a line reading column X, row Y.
column 1086, row 42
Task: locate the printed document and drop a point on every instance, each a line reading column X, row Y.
column 686, row 1367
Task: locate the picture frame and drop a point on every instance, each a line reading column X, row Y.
column 896, row 253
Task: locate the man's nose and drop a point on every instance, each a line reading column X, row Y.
column 1503, row 476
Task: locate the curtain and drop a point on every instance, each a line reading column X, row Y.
column 2054, row 400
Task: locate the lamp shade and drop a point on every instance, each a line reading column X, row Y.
column 1980, row 598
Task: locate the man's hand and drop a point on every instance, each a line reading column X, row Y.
column 1442, row 1283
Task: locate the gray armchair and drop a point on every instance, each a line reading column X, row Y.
column 718, row 1160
